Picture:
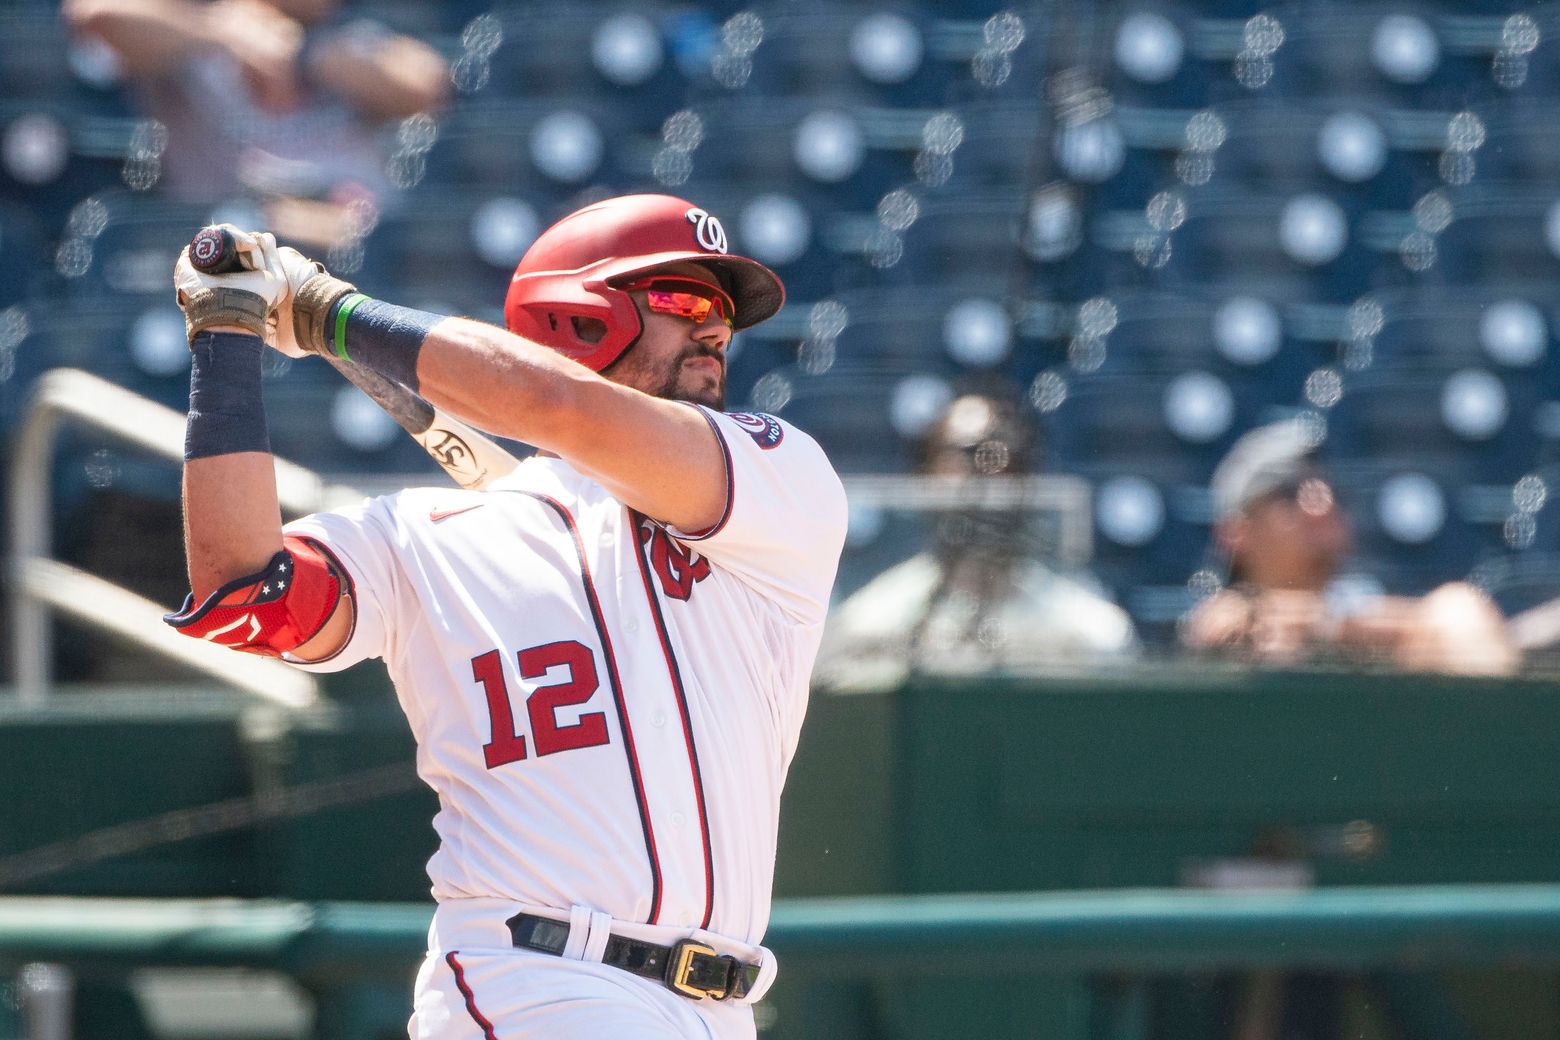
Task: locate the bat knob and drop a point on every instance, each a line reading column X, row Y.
column 212, row 251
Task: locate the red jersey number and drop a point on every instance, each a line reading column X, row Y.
column 580, row 684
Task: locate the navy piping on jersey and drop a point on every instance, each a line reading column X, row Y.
column 635, row 520
column 471, row 999
column 731, row 482
column 617, row 697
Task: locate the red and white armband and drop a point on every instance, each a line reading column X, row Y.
column 274, row 610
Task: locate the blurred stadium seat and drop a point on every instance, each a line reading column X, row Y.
column 850, row 409
column 1170, row 223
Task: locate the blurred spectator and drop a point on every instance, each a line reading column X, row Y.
column 275, row 99
column 979, row 600
column 1537, row 630
column 1286, row 538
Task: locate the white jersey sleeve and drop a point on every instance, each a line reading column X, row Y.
column 784, row 524
column 362, row 541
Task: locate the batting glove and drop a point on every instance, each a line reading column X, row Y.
column 312, row 292
column 245, row 298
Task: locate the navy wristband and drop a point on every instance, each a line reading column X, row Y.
column 227, row 411
column 380, row 336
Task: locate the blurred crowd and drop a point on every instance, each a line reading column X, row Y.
column 1287, row 595
column 276, row 100
column 285, row 103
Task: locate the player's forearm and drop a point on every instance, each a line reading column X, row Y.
column 503, row 383
column 483, row 374
column 147, row 35
column 232, row 522
column 659, row 457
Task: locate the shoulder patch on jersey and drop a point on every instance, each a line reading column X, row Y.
column 765, row 430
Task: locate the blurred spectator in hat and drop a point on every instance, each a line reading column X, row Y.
column 979, row 600
column 278, row 100
column 1286, row 538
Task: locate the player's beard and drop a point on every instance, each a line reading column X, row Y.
column 695, row 387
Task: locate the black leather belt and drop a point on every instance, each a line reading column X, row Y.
column 689, row 967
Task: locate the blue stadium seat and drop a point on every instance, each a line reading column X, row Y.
column 1004, row 146
column 1149, row 531
column 1465, row 324
column 21, row 249
column 1502, row 233
column 812, row 48
column 848, row 410
column 1158, row 57
column 1391, row 53
column 1234, row 237
column 1403, row 413
column 752, row 137
column 1450, row 551
column 1340, row 148
column 955, row 236
column 1151, row 187
column 424, row 253
column 544, row 52
column 1109, row 425
column 66, row 154
column 489, row 145
column 127, row 250
column 901, row 326
column 80, row 337
column 39, row 64
column 1159, row 332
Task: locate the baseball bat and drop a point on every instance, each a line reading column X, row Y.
column 469, row 456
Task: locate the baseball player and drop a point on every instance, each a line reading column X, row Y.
column 604, row 656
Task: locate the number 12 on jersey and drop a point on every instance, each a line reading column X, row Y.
column 580, row 684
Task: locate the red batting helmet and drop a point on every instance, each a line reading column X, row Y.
column 572, row 271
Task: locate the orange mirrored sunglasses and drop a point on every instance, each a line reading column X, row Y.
column 685, row 297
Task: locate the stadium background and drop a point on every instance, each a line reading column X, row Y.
column 1163, row 224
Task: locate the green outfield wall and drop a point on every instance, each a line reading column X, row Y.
column 1168, row 780
column 1156, row 779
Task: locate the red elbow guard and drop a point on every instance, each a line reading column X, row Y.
column 273, row 611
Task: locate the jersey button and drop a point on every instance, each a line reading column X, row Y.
column 659, row 719
column 631, row 625
column 677, row 819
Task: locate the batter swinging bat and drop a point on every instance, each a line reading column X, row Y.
column 471, row 457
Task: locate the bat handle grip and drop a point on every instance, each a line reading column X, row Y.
column 213, row 251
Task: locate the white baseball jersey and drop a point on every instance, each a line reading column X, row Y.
column 606, row 706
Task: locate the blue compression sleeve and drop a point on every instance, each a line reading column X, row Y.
column 227, row 410
column 380, row 336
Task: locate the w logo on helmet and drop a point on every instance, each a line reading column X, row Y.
column 707, row 230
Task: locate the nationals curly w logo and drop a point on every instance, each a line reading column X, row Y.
column 707, row 230
column 675, row 565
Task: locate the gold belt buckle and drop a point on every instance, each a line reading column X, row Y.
column 682, row 966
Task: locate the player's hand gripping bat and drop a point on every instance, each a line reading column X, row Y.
column 468, row 455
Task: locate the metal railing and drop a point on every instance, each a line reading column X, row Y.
column 1125, row 930
column 1113, row 941
column 41, row 584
